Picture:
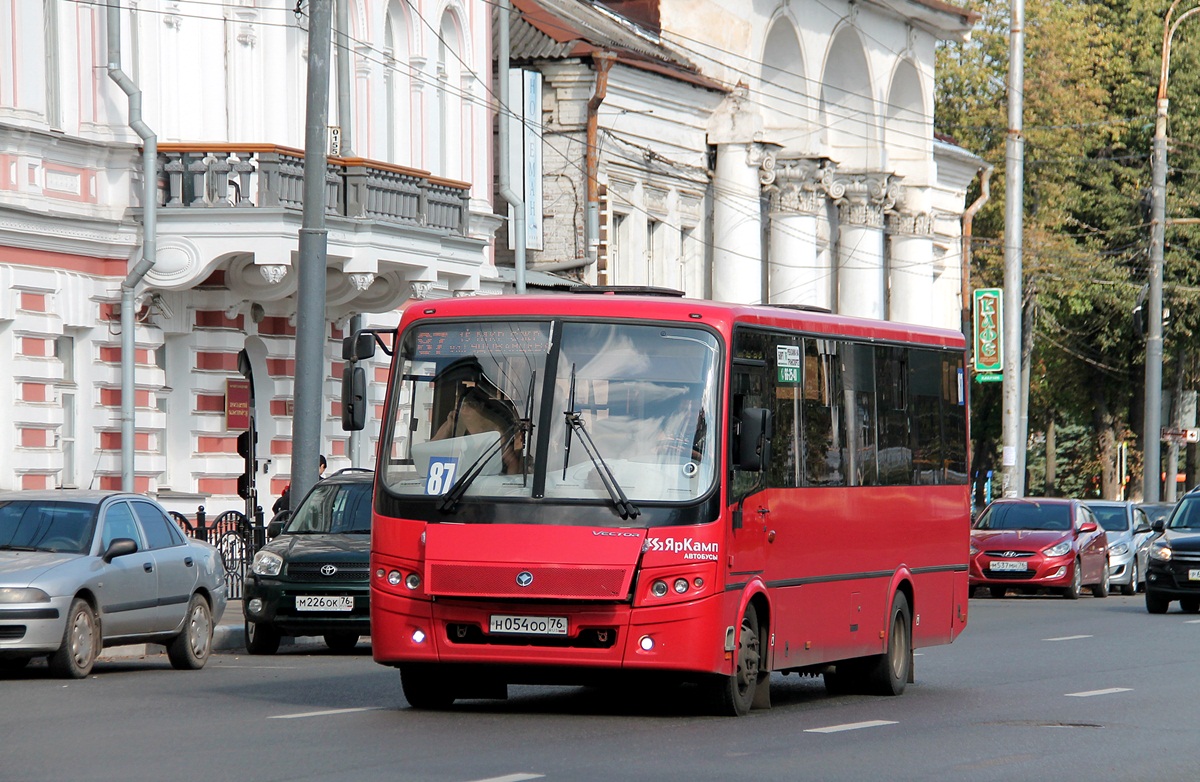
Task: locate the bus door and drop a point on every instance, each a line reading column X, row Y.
column 749, row 509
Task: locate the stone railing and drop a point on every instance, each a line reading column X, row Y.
column 215, row 176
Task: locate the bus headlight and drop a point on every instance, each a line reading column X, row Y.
column 412, row 581
column 658, row 588
column 681, row 585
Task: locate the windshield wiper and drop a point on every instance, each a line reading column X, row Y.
column 575, row 424
column 10, row 547
column 506, row 439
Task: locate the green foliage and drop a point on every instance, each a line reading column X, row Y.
column 1078, row 462
column 1091, row 77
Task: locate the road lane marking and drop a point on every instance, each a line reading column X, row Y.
column 1090, row 693
column 326, row 713
column 1192, row 622
column 513, row 778
column 1067, row 638
column 851, row 726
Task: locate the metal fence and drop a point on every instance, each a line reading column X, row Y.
column 235, row 536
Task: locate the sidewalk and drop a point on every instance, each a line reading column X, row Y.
column 229, row 635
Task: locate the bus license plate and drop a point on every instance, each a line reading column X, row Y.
column 527, row 625
column 324, row 602
column 1014, row 567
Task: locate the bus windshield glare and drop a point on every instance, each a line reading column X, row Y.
column 485, row 412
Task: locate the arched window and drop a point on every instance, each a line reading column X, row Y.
column 786, row 96
column 908, row 128
column 448, row 152
column 848, row 112
column 396, row 86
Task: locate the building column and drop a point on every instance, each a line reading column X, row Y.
column 798, row 272
column 737, row 274
column 862, row 200
column 910, row 267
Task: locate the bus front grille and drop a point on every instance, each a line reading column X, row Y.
column 565, row 582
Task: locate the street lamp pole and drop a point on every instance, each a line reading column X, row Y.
column 1152, row 439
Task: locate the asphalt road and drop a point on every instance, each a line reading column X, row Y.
column 1036, row 688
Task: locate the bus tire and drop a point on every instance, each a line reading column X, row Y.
column 425, row 687
column 887, row 673
column 734, row 695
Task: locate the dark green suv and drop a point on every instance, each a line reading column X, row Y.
column 312, row 577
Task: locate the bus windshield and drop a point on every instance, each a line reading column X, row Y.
column 501, row 409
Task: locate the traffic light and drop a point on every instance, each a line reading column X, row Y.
column 245, row 448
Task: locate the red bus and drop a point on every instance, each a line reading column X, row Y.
column 575, row 486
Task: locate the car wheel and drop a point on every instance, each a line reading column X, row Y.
column 887, row 673
column 81, row 643
column 997, row 591
column 1132, row 586
column 189, row 650
column 261, row 638
column 426, row 687
column 1072, row 592
column 1190, row 605
column 734, row 695
column 1101, row 589
column 1156, row 604
column 342, row 643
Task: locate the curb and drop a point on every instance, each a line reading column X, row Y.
column 226, row 638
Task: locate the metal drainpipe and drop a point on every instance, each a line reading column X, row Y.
column 604, row 62
column 511, row 196
column 149, row 240
column 985, row 176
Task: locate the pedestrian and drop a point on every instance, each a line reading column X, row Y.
column 285, row 499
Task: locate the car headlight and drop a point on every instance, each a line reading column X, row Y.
column 1058, row 550
column 23, row 595
column 1119, row 549
column 267, row 563
column 1161, row 551
column 974, row 549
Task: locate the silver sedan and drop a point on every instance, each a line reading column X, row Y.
column 82, row 570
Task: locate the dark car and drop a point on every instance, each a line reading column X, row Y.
column 1037, row 542
column 312, row 577
column 1173, row 567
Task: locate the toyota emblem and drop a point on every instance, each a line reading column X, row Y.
column 328, row 570
column 524, row 578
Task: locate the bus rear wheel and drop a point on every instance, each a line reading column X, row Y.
column 734, row 695
column 887, row 673
column 426, row 687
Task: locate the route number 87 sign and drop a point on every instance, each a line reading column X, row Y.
column 442, row 471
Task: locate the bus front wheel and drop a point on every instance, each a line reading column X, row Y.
column 426, row 687
column 734, row 695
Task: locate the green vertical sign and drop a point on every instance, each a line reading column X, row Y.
column 988, row 355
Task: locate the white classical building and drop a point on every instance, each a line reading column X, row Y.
column 776, row 151
column 767, row 152
column 222, row 89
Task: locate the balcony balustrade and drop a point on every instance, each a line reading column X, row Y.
column 246, row 176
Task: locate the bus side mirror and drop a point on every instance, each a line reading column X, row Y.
column 354, row 398
column 358, row 346
column 754, row 443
